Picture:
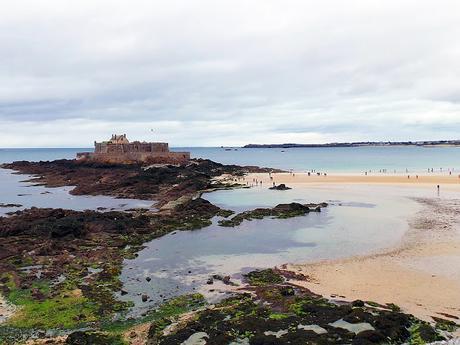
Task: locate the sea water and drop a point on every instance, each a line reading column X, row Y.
column 17, row 191
column 333, row 159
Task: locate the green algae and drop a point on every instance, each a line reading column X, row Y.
column 422, row 333
column 264, row 277
column 445, row 325
column 162, row 316
column 394, row 307
column 277, row 316
column 65, row 310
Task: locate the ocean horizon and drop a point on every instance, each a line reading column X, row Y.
column 395, row 159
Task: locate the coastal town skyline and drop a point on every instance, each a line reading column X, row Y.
column 232, row 73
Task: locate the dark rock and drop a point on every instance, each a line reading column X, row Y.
column 393, row 325
column 92, row 338
column 427, row 333
column 368, row 337
column 281, row 186
column 225, row 279
column 10, row 205
column 145, row 297
column 37, row 294
column 287, row 291
column 148, row 279
column 293, row 209
column 357, row 303
column 358, row 315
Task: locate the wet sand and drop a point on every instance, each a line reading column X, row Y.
column 421, row 274
column 396, row 179
column 392, row 278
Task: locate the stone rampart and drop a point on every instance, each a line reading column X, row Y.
column 138, row 157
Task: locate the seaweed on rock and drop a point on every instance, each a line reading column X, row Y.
column 278, row 313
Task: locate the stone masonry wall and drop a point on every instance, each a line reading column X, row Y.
column 138, row 157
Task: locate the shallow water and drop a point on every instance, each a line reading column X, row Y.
column 14, row 190
column 360, row 220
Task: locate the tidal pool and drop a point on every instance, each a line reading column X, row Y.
column 15, row 190
column 360, row 219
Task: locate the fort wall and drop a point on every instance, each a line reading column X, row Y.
column 137, row 157
column 119, row 150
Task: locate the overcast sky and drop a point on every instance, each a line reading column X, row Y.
column 211, row 73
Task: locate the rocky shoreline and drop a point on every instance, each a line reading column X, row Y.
column 273, row 311
column 267, row 310
column 134, row 181
column 61, row 268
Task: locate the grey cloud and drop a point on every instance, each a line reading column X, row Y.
column 230, row 72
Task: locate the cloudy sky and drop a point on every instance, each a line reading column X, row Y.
column 208, row 73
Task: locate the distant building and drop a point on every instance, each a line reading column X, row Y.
column 120, row 150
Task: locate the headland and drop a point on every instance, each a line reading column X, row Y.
column 360, row 144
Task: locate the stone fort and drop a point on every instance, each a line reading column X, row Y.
column 120, row 150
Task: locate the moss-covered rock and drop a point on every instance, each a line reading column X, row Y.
column 264, row 277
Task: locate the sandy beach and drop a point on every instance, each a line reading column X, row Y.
column 342, row 178
column 420, row 274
